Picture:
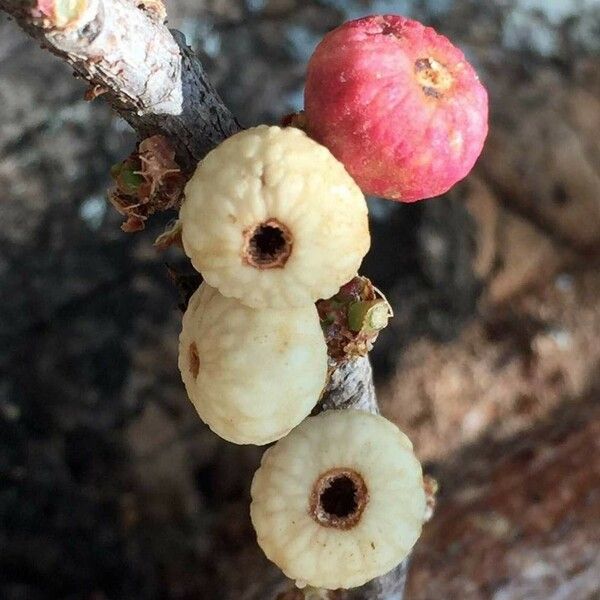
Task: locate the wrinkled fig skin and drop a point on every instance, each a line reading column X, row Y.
column 339, row 501
column 275, row 180
column 398, row 104
column 252, row 375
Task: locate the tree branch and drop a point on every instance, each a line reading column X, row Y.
column 156, row 83
column 350, row 386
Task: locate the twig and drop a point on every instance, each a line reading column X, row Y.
column 152, row 79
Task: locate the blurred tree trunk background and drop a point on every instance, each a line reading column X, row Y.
column 110, row 488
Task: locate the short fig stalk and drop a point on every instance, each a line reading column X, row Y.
column 352, row 318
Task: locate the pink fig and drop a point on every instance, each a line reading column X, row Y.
column 398, row 105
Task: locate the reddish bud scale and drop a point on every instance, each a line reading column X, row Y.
column 60, row 13
column 46, row 7
column 398, row 105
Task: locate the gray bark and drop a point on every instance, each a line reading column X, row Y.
column 149, row 75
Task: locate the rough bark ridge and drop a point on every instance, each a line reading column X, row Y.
column 148, row 74
column 157, row 84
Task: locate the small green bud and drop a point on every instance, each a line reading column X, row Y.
column 372, row 315
column 127, row 177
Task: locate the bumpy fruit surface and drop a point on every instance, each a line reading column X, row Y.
column 272, row 218
column 339, row 501
column 398, row 104
column 252, row 375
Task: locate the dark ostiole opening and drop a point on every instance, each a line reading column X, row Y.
column 194, row 360
column 433, row 77
column 268, row 245
column 339, row 498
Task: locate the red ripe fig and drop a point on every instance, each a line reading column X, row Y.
column 398, row 105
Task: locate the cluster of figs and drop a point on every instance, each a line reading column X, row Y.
column 275, row 219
